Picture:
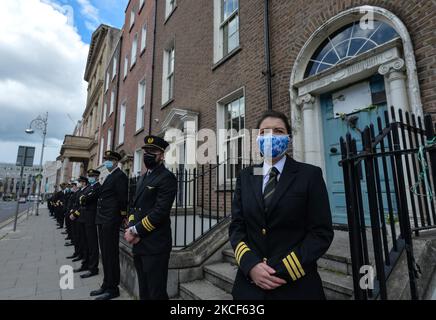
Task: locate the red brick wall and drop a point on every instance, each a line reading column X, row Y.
column 198, row 87
column 128, row 89
column 110, row 118
column 291, row 28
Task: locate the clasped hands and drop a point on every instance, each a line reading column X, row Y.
column 131, row 237
column 263, row 276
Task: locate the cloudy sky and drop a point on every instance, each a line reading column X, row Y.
column 43, row 50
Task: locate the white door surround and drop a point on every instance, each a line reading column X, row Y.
column 187, row 122
column 394, row 60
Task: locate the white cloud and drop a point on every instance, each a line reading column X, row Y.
column 91, row 13
column 66, row 10
column 42, row 61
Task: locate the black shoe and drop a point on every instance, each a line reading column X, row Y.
column 77, row 259
column 64, row 232
column 108, row 296
column 69, row 244
column 67, row 238
column 59, row 227
column 75, row 255
column 97, row 292
column 89, row 274
column 81, row 269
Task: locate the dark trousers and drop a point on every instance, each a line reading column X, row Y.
column 60, row 217
column 68, row 224
column 92, row 244
column 109, row 237
column 83, row 244
column 76, row 237
column 152, row 276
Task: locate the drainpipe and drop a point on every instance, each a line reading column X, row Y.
column 152, row 69
column 118, row 94
column 267, row 72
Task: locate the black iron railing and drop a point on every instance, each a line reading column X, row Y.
column 203, row 200
column 389, row 190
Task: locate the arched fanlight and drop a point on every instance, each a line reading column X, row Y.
column 349, row 42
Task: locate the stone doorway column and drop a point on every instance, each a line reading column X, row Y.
column 394, row 73
column 311, row 130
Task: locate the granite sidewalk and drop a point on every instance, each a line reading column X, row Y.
column 30, row 262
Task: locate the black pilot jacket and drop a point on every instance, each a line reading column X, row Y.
column 112, row 200
column 150, row 213
column 88, row 204
column 290, row 236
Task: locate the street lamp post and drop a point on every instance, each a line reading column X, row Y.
column 39, row 123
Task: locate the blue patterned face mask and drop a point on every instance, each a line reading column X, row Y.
column 108, row 164
column 92, row 180
column 273, row 146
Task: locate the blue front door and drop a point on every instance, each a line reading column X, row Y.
column 334, row 127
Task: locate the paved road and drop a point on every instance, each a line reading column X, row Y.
column 30, row 262
column 7, row 209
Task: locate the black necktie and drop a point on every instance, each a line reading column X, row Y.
column 270, row 187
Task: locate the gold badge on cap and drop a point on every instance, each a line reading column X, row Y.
column 150, row 140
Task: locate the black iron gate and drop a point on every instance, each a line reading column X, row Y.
column 397, row 162
column 203, row 201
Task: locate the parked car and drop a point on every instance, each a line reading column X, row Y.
column 34, row 198
column 7, row 197
column 22, row 200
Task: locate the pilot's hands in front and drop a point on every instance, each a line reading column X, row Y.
column 263, row 276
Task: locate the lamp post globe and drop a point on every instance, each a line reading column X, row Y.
column 40, row 123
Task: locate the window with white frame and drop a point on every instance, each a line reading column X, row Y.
column 140, row 106
column 132, row 18
column 226, row 27
column 168, row 75
column 143, row 37
column 106, row 85
column 170, row 5
column 232, row 119
column 109, row 139
column 126, row 66
column 114, row 67
column 134, row 50
column 122, row 123
column 137, row 163
column 104, row 113
column 101, row 150
column 112, row 104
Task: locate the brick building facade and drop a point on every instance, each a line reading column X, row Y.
column 219, row 55
column 135, row 84
column 208, row 65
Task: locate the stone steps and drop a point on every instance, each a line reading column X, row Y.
column 337, row 286
column 221, row 275
column 335, row 263
column 202, row 290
